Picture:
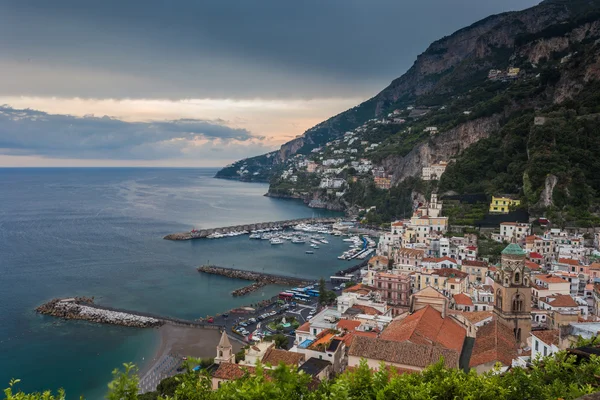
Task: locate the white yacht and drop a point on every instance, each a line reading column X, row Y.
column 276, row 241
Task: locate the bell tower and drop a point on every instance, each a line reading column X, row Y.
column 224, row 351
column 512, row 293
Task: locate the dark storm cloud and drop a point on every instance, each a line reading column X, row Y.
column 221, row 48
column 30, row 132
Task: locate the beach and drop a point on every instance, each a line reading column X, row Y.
column 182, row 341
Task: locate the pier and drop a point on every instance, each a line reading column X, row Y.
column 260, row 279
column 203, row 233
column 83, row 308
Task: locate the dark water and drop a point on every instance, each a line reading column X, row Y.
column 98, row 232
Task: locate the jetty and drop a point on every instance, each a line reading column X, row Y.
column 260, row 279
column 204, row 233
column 83, row 308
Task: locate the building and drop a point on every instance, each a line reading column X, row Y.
column 544, row 343
column 448, row 281
column 394, row 288
column 512, row 288
column 320, row 369
column 224, row 350
column 514, row 230
column 503, row 204
column 477, row 270
column 434, row 171
column 408, row 259
column 546, row 285
column 383, row 182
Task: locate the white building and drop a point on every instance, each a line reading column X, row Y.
column 434, row 171
column 514, row 230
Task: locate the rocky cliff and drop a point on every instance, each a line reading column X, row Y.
column 440, row 70
column 443, row 146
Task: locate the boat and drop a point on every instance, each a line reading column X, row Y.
column 276, row 241
column 254, row 236
column 314, row 246
column 324, row 241
column 309, row 252
column 298, row 240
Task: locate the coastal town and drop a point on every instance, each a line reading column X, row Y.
column 426, row 293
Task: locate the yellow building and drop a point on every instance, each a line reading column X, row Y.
column 502, row 204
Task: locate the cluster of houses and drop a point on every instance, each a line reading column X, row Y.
column 427, row 295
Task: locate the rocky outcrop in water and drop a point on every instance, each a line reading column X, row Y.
column 80, row 308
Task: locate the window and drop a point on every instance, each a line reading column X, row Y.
column 517, row 303
column 451, row 286
column 545, row 351
column 537, row 345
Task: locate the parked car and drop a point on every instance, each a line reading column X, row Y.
column 252, row 320
column 210, row 320
column 243, row 324
column 337, row 288
column 309, row 317
column 225, row 315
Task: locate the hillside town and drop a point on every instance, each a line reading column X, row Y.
column 427, row 294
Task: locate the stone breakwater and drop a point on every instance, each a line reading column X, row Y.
column 80, row 308
column 260, row 279
column 247, row 289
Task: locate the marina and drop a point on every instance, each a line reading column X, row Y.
column 316, row 225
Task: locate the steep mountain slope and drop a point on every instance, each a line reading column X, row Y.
column 445, row 68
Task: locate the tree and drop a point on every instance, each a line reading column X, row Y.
column 322, row 292
column 124, row 385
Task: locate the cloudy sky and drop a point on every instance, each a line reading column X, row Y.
column 198, row 82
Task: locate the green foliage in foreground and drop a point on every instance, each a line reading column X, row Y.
column 558, row 376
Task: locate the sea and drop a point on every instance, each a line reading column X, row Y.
column 99, row 232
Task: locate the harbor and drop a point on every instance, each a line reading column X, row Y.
column 237, row 230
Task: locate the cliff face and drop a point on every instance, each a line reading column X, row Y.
column 443, row 146
column 440, row 70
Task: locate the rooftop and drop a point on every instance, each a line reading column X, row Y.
column 463, row 300
column 513, row 249
column 277, row 356
column 426, row 326
column 230, row 371
column 406, row 353
column 548, row 337
column 313, row 366
column 559, row 300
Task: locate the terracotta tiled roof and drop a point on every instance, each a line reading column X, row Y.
column 426, row 326
column 476, row 316
column 474, row 263
column 231, row 371
column 380, row 259
column 594, row 266
column 535, row 254
column 398, row 223
column 548, row 337
column 472, row 248
column 559, row 300
column 439, row 259
column 404, row 252
column 367, row 310
column 276, row 356
column 305, row 327
column 406, row 353
column 348, row 325
column 448, row 272
column 568, row 261
column 495, row 342
column 359, row 288
column 532, row 266
column 462, row 299
column 550, row 279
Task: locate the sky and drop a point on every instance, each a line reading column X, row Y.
column 198, row 83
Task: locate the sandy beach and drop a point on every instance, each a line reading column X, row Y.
column 186, row 341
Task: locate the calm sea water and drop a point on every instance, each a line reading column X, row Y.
column 98, row 232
